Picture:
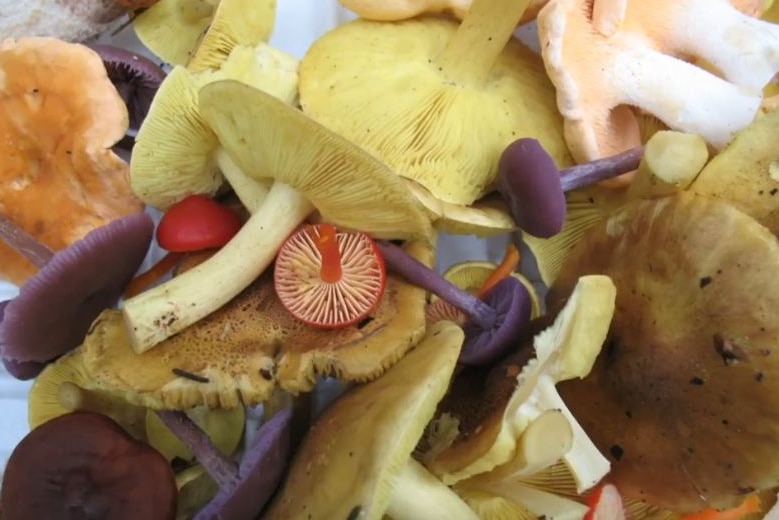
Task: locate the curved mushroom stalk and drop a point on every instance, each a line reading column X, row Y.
column 635, row 64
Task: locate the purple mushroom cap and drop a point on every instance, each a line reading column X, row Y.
column 529, row 181
column 135, row 77
column 55, row 307
column 511, row 299
column 22, row 370
column 259, row 474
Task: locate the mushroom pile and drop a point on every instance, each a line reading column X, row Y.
column 299, row 205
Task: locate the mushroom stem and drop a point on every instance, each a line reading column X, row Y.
column 169, row 308
column 641, row 73
column 24, row 243
column 742, row 48
column 416, row 493
column 220, row 468
column 250, row 192
column 419, row 274
column 591, row 172
column 472, row 51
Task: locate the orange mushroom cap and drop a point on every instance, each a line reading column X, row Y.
column 59, row 117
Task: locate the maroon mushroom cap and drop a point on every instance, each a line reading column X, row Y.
column 55, row 307
column 83, row 465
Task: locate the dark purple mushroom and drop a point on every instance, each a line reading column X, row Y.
column 83, row 465
column 244, row 488
column 55, row 307
column 135, row 77
column 492, row 325
column 534, row 187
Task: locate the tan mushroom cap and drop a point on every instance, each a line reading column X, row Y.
column 393, row 10
column 244, row 350
column 59, row 117
column 443, row 132
column 352, row 453
column 682, row 397
column 746, row 173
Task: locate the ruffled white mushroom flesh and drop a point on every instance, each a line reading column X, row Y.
column 307, row 295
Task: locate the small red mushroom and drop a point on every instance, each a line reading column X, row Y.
column 196, row 223
column 84, row 465
column 329, row 278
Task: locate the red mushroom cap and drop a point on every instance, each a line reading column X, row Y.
column 195, row 223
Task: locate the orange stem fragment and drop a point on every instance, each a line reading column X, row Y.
column 146, row 279
column 750, row 505
column 503, row 270
column 327, row 244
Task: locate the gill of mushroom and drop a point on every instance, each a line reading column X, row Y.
column 634, row 61
column 475, row 89
column 264, row 136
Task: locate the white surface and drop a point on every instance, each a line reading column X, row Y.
column 299, row 23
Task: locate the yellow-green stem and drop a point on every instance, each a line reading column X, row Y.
column 481, row 37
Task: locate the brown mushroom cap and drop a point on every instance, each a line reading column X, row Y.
column 59, row 117
column 84, row 465
column 684, row 398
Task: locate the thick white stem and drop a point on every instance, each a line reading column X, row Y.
column 419, row 494
column 250, row 191
column 683, row 96
column 169, row 308
column 540, row 503
column 744, row 49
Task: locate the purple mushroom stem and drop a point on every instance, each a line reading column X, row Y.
column 600, row 169
column 23, row 242
column 419, row 274
column 222, row 470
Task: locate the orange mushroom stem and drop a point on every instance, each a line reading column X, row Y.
column 750, row 505
column 507, row 266
column 327, row 245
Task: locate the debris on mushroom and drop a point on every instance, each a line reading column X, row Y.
column 635, row 60
column 327, row 277
column 56, row 306
column 85, row 464
column 492, row 322
column 534, row 187
column 355, row 461
column 476, row 89
column 59, row 115
column 680, row 397
column 238, row 355
column 70, row 20
column 524, row 390
column 330, row 174
column 244, row 488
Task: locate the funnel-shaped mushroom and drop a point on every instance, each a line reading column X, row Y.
column 55, row 308
column 355, row 461
column 492, row 323
column 633, row 51
column 243, row 488
column 329, row 278
column 519, row 390
column 534, row 187
column 175, row 30
column 59, row 115
column 681, row 397
column 84, row 465
column 312, row 168
column 238, row 355
column 475, row 89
